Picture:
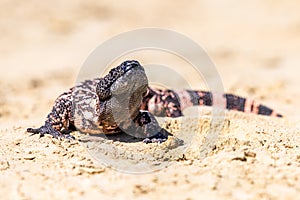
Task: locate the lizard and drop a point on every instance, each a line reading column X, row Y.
column 123, row 101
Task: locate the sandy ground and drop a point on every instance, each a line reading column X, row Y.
column 255, row 46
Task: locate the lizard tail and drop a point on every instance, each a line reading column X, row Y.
column 189, row 98
column 170, row 103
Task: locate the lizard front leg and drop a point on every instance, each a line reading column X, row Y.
column 144, row 125
column 151, row 128
column 58, row 122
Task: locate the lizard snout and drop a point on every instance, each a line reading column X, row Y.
column 130, row 64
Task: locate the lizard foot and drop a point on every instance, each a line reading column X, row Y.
column 47, row 129
column 160, row 137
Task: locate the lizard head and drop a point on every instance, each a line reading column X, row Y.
column 123, row 89
column 128, row 78
column 132, row 79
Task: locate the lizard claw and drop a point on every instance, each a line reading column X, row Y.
column 69, row 137
column 47, row 129
column 154, row 140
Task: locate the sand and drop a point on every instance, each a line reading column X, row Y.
column 255, row 46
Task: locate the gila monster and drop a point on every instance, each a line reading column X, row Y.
column 122, row 101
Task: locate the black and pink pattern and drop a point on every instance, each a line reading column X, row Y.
column 171, row 103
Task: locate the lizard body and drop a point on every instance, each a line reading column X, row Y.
column 122, row 101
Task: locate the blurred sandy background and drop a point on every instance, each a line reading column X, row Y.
column 255, row 46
